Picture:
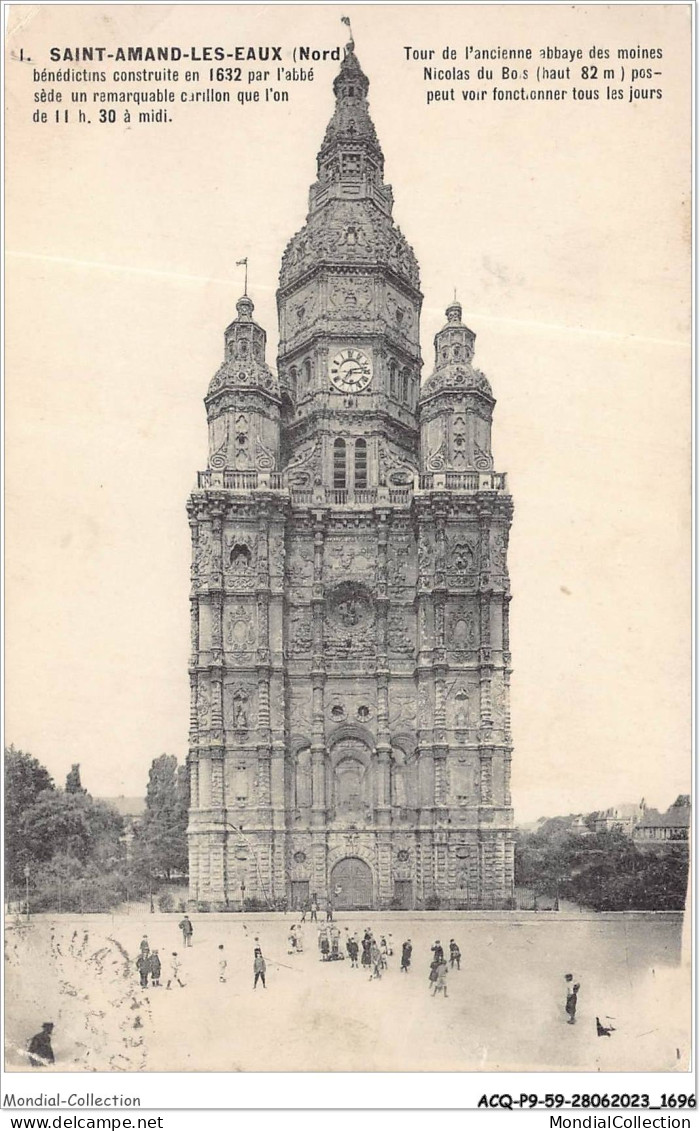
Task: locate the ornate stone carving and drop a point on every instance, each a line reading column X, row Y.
column 203, row 704
column 204, row 553
column 399, row 634
column 482, row 460
column 239, row 630
column 264, row 457
column 303, row 466
column 240, row 705
column 239, row 559
column 396, row 468
column 437, row 460
column 462, row 554
column 300, row 632
column 350, row 299
column 300, row 568
column 462, row 629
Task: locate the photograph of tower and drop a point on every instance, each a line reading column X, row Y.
column 291, row 784
column 350, row 729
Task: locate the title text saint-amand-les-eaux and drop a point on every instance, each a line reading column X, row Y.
column 350, row 727
column 200, row 54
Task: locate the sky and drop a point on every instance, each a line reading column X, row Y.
column 565, row 230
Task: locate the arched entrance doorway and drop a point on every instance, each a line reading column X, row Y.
column 351, row 885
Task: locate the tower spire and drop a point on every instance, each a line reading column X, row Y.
column 346, row 20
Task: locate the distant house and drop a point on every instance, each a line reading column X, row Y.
column 620, row 818
column 671, row 827
column 578, row 825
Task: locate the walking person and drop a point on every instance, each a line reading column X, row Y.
column 406, row 952
column 572, row 989
column 187, row 930
column 314, row 910
column 40, row 1050
column 143, row 965
column 455, row 954
column 154, row 967
column 376, row 961
column 383, row 947
column 329, row 912
column 223, row 964
column 438, row 952
column 304, row 908
column 175, row 967
column 353, row 951
column 144, row 948
column 440, row 983
column 366, row 949
column 259, row 968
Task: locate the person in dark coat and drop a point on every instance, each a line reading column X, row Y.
column 40, row 1047
column 144, row 948
column 187, row 930
column 353, row 951
column 329, row 912
column 367, row 949
column 325, row 947
column 259, row 968
column 143, row 965
column 455, row 954
column 603, row 1030
column 438, row 952
column 572, row 989
column 406, row 952
column 154, row 967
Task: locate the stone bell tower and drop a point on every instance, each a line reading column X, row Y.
column 350, row 728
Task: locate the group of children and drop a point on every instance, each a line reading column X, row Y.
column 148, row 965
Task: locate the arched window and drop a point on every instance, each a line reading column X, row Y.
column 392, row 379
column 404, row 385
column 293, row 381
column 360, row 464
column 307, row 373
column 339, row 472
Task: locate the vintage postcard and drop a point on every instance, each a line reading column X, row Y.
column 348, row 539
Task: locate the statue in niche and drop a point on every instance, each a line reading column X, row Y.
column 240, row 713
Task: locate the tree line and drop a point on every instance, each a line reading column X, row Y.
column 70, row 851
column 606, row 871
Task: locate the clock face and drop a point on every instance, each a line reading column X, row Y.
column 351, row 371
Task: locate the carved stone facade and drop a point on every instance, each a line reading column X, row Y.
column 350, row 728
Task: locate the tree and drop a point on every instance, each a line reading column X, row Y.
column 73, row 780
column 72, row 824
column 25, row 780
column 161, row 837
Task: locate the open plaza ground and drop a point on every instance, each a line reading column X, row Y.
column 504, row 1009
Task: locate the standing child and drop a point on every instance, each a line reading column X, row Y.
column 154, row 964
column 406, row 952
column 572, row 989
column 440, row 983
column 259, row 968
column 175, row 966
column 455, row 954
column 143, row 965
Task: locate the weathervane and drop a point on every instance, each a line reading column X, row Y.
column 244, row 263
column 346, row 21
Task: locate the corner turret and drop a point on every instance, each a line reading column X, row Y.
column 456, row 403
column 243, row 400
